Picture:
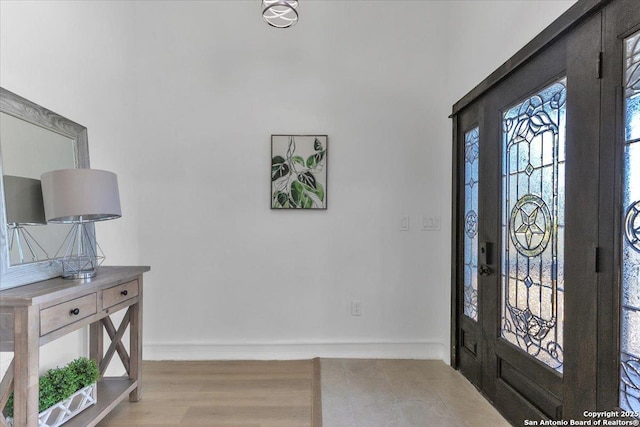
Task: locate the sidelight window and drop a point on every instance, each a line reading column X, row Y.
column 471, row 147
column 630, row 321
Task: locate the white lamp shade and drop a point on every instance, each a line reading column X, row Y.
column 80, row 195
column 23, row 200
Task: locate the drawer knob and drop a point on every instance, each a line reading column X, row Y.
column 74, row 312
column 125, row 292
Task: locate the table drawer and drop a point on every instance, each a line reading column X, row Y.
column 69, row 312
column 117, row 294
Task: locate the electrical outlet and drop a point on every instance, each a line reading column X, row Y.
column 356, row 308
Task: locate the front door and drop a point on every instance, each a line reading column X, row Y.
column 527, row 156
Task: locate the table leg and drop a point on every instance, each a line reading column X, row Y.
column 27, row 360
column 135, row 345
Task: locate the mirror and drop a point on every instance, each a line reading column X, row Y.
column 33, row 140
column 27, row 152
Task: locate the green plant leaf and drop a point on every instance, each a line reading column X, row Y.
column 315, row 195
column 48, row 393
column 280, row 199
column 85, row 370
column 279, row 168
column 312, row 161
column 315, row 159
column 307, row 202
column 320, row 191
column 297, row 194
column 298, row 159
column 301, row 195
column 317, row 145
column 60, row 383
column 308, row 179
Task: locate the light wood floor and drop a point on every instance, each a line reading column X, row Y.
column 355, row 393
column 224, row 394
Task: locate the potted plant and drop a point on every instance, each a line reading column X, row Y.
column 64, row 392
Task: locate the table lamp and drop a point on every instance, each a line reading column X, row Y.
column 79, row 197
column 24, row 207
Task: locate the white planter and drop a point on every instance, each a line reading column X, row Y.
column 63, row 411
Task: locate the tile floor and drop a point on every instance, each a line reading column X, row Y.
column 401, row 393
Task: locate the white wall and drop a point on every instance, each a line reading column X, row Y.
column 484, row 34
column 214, row 82
column 235, row 275
column 180, row 99
column 76, row 58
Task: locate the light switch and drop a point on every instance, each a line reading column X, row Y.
column 404, row 223
column 431, row 223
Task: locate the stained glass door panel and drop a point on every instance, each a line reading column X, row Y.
column 533, row 159
column 630, row 319
column 559, row 188
column 471, row 149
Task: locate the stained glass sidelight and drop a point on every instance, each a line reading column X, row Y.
column 630, row 320
column 532, row 276
column 471, row 146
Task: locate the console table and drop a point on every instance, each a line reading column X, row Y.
column 35, row 314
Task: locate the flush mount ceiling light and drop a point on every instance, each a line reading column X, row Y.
column 280, row 13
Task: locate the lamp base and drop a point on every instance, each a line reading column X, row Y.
column 73, row 275
column 82, row 255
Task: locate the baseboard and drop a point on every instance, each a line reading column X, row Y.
column 295, row 350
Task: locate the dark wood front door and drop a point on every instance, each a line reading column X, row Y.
column 533, row 178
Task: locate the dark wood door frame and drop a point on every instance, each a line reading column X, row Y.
column 574, row 16
column 600, row 310
column 620, row 22
column 577, row 14
column 467, row 356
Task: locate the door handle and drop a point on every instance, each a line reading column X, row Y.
column 484, row 270
column 486, row 253
column 485, row 258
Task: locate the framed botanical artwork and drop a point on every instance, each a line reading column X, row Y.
column 299, row 171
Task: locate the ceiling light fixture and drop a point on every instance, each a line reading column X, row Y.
column 280, row 13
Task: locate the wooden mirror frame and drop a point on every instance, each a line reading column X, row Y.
column 23, row 109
